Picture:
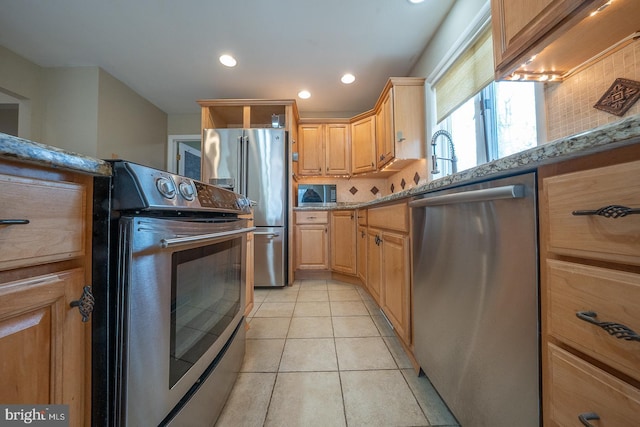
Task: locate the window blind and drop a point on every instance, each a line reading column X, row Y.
column 468, row 74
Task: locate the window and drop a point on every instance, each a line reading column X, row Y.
column 497, row 122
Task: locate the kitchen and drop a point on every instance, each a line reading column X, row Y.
column 564, row 118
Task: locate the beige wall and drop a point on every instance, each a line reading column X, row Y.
column 84, row 110
column 70, row 109
column 184, row 124
column 570, row 103
column 129, row 126
column 21, row 79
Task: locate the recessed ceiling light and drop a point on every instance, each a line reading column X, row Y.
column 228, row 60
column 348, row 79
column 415, row 1
column 304, row 94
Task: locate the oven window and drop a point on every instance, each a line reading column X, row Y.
column 205, row 297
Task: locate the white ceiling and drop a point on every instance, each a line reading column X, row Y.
column 167, row 50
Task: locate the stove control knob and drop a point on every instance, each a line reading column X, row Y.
column 187, row 190
column 166, row 187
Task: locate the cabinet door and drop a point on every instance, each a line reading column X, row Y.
column 361, row 254
column 396, row 281
column 407, row 128
column 249, row 279
column 337, row 149
column 310, row 160
column 343, row 242
column 42, row 342
column 384, row 131
column 363, row 145
column 520, row 24
column 374, row 264
column 312, row 247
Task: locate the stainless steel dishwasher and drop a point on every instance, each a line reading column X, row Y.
column 475, row 299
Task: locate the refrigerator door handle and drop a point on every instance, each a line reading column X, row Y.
column 237, row 186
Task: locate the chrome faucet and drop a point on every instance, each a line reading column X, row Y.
column 434, row 156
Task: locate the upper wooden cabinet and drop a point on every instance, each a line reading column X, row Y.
column 561, row 34
column 324, row 148
column 400, row 122
column 248, row 113
column 363, row 145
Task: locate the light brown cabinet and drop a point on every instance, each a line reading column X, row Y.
column 324, row 149
column 361, row 252
column 590, row 288
column 44, row 266
column 311, row 240
column 250, row 269
column 400, row 115
column 389, row 263
column 363, row 144
column 548, row 36
column 343, row 242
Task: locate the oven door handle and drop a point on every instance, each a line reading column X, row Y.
column 167, row 243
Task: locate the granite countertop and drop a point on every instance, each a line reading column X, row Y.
column 23, row 150
column 618, row 134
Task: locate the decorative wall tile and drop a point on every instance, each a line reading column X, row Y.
column 403, row 183
column 393, row 188
column 617, row 100
column 416, row 178
column 353, row 190
column 374, row 190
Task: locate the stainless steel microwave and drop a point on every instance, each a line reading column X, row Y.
column 316, row 194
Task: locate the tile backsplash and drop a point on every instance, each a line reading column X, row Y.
column 366, row 188
column 570, row 104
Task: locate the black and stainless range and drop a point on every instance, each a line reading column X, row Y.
column 169, row 284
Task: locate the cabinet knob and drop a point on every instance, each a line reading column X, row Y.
column 85, row 303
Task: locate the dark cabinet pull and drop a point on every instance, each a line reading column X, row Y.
column 378, row 240
column 585, row 418
column 618, row 330
column 13, row 221
column 611, row 211
column 85, row 303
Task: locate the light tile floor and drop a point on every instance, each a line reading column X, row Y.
column 319, row 353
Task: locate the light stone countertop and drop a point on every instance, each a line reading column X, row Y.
column 23, row 150
column 618, row 134
column 603, row 138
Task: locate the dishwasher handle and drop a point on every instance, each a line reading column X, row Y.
column 516, row 191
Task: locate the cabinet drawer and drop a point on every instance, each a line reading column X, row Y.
column 576, row 387
column 613, row 295
column 392, row 217
column 594, row 236
column 56, row 215
column 312, row 217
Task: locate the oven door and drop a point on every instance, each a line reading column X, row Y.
column 181, row 295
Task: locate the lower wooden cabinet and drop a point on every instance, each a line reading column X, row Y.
column 389, row 264
column 343, row 242
column 249, row 275
column 42, row 342
column 578, row 391
column 361, row 253
column 396, row 283
column 45, row 262
column 312, row 240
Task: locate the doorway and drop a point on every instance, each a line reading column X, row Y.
column 184, row 155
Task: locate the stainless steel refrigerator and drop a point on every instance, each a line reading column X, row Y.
column 253, row 162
